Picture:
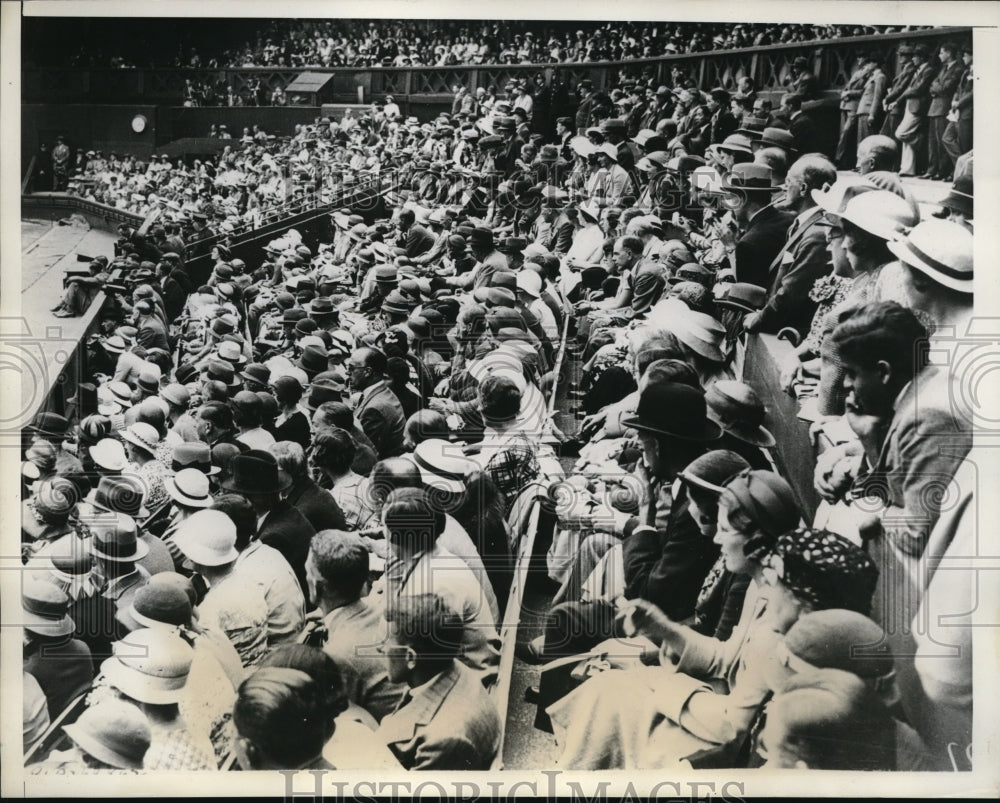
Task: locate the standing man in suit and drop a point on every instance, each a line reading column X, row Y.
column 585, row 89
column 446, row 720
column 891, row 103
column 912, row 131
column 942, row 90
column 957, row 137
column 850, row 98
column 378, row 410
column 870, row 111
column 804, row 257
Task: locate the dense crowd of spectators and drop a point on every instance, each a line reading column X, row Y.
column 276, row 527
column 400, row 43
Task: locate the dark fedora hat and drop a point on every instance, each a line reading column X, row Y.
column 292, row 316
column 322, row 307
column 49, row 425
column 743, row 296
column 752, row 126
column 675, row 410
column 324, row 389
column 960, row 197
column 313, row 360
column 257, row 372
column 120, row 494
column 116, row 539
column 222, row 371
column 777, row 138
column 256, row 472
column 752, row 177
column 737, row 408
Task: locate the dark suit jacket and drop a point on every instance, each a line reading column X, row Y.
column 317, row 505
column 722, row 125
column 381, row 417
column 288, row 531
column 582, row 116
column 804, row 131
column 900, row 83
column 668, row 567
column 63, row 670
column 562, row 235
column 418, row 240
column 788, row 302
column 942, row 88
column 452, row 725
column 760, row 244
column 917, row 93
column 963, row 95
column 153, row 334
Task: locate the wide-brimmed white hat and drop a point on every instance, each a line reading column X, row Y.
column 700, row 332
column 144, row 436
column 834, row 197
column 109, row 454
column 189, row 487
column 939, row 249
column 880, row 212
column 530, row 282
column 443, row 465
column 208, row 538
column 150, row 665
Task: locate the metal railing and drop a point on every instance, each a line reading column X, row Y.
column 769, row 66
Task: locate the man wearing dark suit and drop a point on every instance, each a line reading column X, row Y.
column 414, row 239
column 957, row 136
column 942, row 90
column 870, row 109
column 891, row 103
column 287, row 530
column 722, row 122
column 912, row 131
column 446, row 721
column 564, row 132
column 316, row 504
column 800, row 124
column 378, row 410
column 256, row 476
column 585, row 90
column 804, row 257
column 850, row 97
column 152, row 333
column 764, row 227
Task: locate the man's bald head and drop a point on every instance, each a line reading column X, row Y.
column 391, row 474
column 877, row 152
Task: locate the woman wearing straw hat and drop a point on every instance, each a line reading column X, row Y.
column 109, row 738
column 149, row 668
column 142, row 444
column 863, row 228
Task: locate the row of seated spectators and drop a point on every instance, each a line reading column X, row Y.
column 277, row 525
column 401, row 43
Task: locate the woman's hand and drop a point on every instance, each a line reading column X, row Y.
column 640, row 617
